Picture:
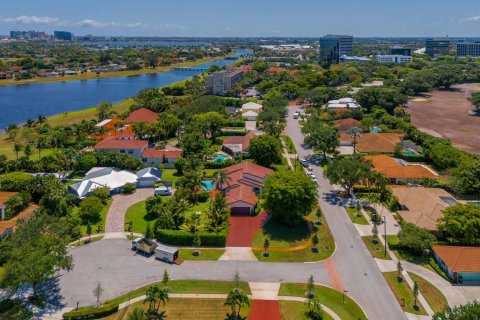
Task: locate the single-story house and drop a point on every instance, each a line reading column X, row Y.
column 3, row 75
column 244, row 181
column 237, row 145
column 123, row 144
column 378, row 142
column 461, row 264
column 9, row 226
column 251, row 106
column 99, row 177
column 154, row 156
column 343, row 125
column 148, row 177
column 422, row 206
column 142, row 115
column 349, row 103
column 397, row 170
column 4, row 197
column 250, row 115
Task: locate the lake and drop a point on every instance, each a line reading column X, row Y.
column 19, row 103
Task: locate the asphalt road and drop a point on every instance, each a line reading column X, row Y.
column 359, row 273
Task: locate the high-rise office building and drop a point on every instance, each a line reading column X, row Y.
column 465, row 49
column 437, row 47
column 63, row 35
column 333, row 47
column 17, row 34
column 400, row 51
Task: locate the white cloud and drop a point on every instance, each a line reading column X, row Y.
column 90, row 23
column 474, row 18
column 85, row 23
column 32, row 20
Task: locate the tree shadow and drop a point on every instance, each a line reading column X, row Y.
column 275, row 230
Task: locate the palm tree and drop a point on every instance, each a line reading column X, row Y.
column 17, row 148
column 236, row 299
column 151, row 298
column 222, row 179
column 354, row 132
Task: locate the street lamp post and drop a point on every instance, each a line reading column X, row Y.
column 385, row 233
column 343, row 296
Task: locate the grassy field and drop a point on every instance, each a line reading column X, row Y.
column 434, row 297
column 101, row 223
column 138, row 215
column 282, row 235
column 289, row 144
column 352, row 214
column 379, row 254
column 185, row 309
column 93, row 75
column 170, row 175
column 295, row 310
column 206, row 254
column 329, row 297
column 401, row 290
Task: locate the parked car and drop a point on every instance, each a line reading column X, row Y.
column 163, row 191
column 304, row 162
column 309, row 168
column 296, row 115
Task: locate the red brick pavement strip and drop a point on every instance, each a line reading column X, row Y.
column 334, row 275
column 243, row 228
column 265, row 310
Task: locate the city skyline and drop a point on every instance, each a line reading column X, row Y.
column 304, row 18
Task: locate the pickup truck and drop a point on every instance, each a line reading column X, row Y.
column 145, row 245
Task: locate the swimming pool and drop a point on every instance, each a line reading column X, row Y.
column 375, row 130
column 220, row 158
column 208, row 185
column 409, row 152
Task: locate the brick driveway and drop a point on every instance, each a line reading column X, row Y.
column 243, row 228
column 115, row 221
column 265, row 310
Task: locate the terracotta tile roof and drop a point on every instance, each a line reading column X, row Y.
column 378, row 142
column 114, row 143
column 343, row 125
column 422, row 206
column 11, row 223
column 276, row 70
column 155, row 153
column 395, row 170
column 241, row 193
column 459, row 259
column 297, row 103
column 244, row 68
column 4, row 196
column 142, row 115
column 246, row 167
column 243, row 140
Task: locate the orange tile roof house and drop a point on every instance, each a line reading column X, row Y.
column 399, row 170
column 142, row 115
column 123, row 144
column 4, row 197
column 462, row 264
column 244, row 181
column 154, row 156
column 238, row 145
column 422, row 206
column 378, row 142
column 343, row 125
column 9, row 226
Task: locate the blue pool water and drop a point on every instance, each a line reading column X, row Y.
column 375, row 130
column 208, row 185
column 409, row 153
column 220, row 158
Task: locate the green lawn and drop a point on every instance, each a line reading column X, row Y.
column 434, row 297
column 206, row 254
column 295, row 310
column 401, row 290
column 103, row 216
column 138, row 215
column 289, row 144
column 329, row 297
column 170, row 175
column 352, row 213
column 380, row 254
column 2, row 272
column 282, row 235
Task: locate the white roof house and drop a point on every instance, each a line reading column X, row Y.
column 250, row 114
column 343, row 103
column 99, row 177
column 102, row 123
column 346, row 100
column 251, row 106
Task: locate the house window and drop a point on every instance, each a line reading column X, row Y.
column 130, row 151
column 122, row 151
column 144, row 159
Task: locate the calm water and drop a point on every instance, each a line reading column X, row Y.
column 19, row 103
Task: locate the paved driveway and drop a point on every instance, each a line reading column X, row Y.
column 242, row 229
column 115, row 221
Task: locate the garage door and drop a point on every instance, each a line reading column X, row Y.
column 240, row 210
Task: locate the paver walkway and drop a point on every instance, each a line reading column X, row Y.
column 115, row 222
column 265, row 310
column 243, row 228
column 238, row 254
column 264, row 290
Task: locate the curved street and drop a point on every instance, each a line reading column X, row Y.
column 351, row 267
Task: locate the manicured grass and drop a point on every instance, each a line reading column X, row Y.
column 380, row 254
column 295, row 310
column 352, row 213
column 282, row 235
column 186, row 309
column 205, row 254
column 434, row 297
column 329, row 297
column 138, row 215
column 2, row 273
column 170, row 175
column 289, row 144
column 401, row 290
column 103, row 216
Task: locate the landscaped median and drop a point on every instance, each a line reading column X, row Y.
column 404, row 294
column 344, row 306
column 175, row 286
column 294, row 310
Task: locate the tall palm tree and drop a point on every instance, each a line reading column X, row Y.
column 354, row 132
column 222, row 179
column 17, row 147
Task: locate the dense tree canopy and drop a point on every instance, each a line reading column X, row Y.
column 415, row 238
column 266, row 150
column 386, row 98
column 348, row 171
column 461, row 223
column 469, row 311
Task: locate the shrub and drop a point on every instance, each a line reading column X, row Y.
column 102, row 194
column 91, row 312
column 129, row 188
column 90, row 209
column 185, row 238
column 203, row 197
column 233, row 133
column 15, row 181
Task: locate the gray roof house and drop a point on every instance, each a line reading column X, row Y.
column 147, row 177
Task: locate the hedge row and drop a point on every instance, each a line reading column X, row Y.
column 235, row 123
column 233, row 133
column 185, row 238
column 91, row 312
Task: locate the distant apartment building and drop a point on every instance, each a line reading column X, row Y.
column 465, row 49
column 17, row 34
column 29, row 35
column 333, row 47
column 63, row 35
column 401, row 51
column 393, row 58
column 221, row 81
column 437, row 47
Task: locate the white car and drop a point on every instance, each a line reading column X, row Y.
column 163, row 191
column 296, row 115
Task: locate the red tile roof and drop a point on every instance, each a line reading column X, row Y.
column 142, row 115
column 243, row 140
column 246, row 167
column 394, row 170
column 378, row 142
column 244, row 68
column 276, row 70
column 4, row 196
column 241, row 193
column 459, row 259
column 114, row 143
column 343, row 125
column 155, row 153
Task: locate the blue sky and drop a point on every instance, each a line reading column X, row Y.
column 310, row 18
